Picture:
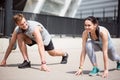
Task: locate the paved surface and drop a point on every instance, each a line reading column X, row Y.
column 58, row 71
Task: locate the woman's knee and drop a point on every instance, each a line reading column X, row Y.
column 115, row 58
column 88, row 45
column 113, row 55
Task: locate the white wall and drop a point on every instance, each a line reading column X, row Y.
column 34, row 6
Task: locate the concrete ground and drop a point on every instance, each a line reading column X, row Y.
column 57, row 70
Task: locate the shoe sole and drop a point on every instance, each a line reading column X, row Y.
column 118, row 68
column 24, row 67
column 94, row 74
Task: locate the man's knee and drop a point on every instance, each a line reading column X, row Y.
column 20, row 35
column 52, row 53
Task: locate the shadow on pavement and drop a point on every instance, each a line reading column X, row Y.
column 87, row 71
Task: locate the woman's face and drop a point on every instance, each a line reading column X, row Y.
column 23, row 24
column 89, row 26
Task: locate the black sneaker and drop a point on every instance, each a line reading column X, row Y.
column 64, row 59
column 25, row 64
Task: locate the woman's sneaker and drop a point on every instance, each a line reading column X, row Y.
column 118, row 65
column 95, row 71
column 25, row 64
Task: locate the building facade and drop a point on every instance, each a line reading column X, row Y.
column 98, row 8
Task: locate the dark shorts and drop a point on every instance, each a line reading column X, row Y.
column 50, row 46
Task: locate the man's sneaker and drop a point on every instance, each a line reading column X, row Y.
column 25, row 64
column 64, row 59
column 95, row 71
column 118, row 65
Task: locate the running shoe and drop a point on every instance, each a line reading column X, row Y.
column 95, row 71
column 64, row 59
column 25, row 64
column 118, row 65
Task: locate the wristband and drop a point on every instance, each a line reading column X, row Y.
column 80, row 67
column 43, row 62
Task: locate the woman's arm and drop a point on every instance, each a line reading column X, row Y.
column 83, row 53
column 104, row 35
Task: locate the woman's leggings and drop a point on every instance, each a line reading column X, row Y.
column 91, row 47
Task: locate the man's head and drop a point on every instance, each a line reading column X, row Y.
column 20, row 21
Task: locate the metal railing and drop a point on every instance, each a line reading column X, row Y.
column 59, row 25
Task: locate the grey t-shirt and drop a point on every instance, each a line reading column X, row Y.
column 32, row 25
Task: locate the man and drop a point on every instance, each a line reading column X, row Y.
column 30, row 33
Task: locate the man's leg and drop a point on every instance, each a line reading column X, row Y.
column 59, row 53
column 22, row 40
column 50, row 49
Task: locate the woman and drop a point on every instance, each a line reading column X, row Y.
column 100, row 40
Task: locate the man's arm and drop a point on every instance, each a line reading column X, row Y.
column 9, row 49
column 40, row 44
column 41, row 49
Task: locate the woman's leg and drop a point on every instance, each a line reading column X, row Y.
column 113, row 55
column 91, row 47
